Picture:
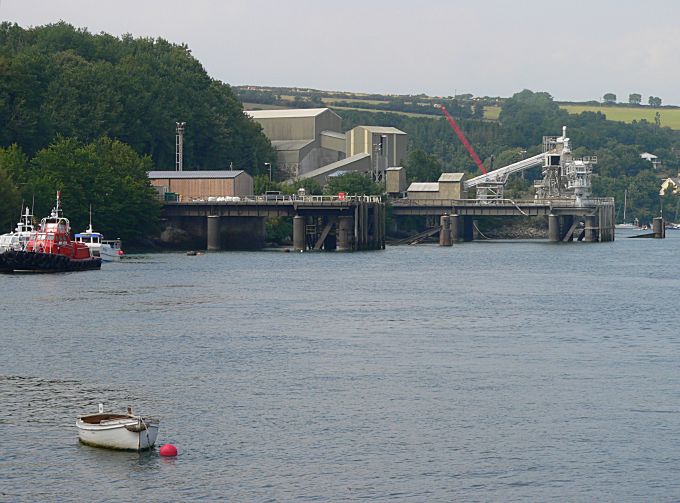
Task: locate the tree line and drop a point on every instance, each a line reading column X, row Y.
column 59, row 84
column 633, row 99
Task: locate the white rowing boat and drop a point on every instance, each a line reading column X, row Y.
column 117, row 431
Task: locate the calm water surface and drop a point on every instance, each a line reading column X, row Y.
column 496, row 371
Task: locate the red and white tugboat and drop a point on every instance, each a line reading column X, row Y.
column 50, row 248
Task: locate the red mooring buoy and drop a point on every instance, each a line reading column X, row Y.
column 168, row 450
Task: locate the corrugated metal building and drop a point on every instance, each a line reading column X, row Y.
column 395, row 180
column 389, row 142
column 201, row 184
column 305, row 139
column 449, row 186
column 423, row 190
column 360, row 163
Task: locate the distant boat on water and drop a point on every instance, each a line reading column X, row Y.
column 624, row 224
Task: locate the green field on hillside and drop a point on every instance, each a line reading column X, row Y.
column 373, row 110
column 670, row 117
column 491, row 113
column 330, row 101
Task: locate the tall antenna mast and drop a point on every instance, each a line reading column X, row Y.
column 179, row 145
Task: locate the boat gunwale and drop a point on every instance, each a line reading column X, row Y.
column 113, row 421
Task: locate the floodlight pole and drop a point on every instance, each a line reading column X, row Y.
column 179, row 145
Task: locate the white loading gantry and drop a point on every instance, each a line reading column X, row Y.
column 563, row 176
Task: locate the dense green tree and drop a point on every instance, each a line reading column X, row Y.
column 106, row 175
column 527, row 116
column 422, row 167
column 311, row 186
column 59, row 80
column 12, row 160
column 617, row 160
column 353, row 183
column 10, row 202
column 609, row 98
column 643, row 196
column 670, row 200
column 262, row 184
column 279, row 230
column 634, row 99
column 654, row 101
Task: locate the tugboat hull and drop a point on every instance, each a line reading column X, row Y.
column 45, row 262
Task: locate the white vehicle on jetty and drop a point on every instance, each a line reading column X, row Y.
column 117, row 431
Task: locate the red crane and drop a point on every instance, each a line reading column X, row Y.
column 463, row 140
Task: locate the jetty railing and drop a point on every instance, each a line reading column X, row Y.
column 276, row 198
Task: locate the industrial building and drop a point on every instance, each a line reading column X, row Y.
column 386, row 144
column 202, row 184
column 305, row 139
column 449, row 186
column 310, row 144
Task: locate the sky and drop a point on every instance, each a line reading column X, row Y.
column 575, row 50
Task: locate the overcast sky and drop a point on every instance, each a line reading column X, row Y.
column 575, row 50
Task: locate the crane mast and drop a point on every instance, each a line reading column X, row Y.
column 463, row 139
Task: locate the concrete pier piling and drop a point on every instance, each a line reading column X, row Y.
column 299, row 233
column 659, row 228
column 554, row 228
column 456, row 228
column 590, row 229
column 214, row 237
column 445, row 231
column 345, row 234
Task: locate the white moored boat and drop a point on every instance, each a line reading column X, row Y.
column 17, row 240
column 108, row 250
column 117, row 431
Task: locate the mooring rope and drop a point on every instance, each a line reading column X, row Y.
column 480, row 232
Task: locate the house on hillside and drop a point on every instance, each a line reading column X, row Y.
column 651, row 158
column 672, row 183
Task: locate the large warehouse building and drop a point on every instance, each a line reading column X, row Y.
column 200, row 184
column 310, row 144
column 305, row 139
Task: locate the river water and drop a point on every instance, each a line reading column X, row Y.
column 490, row 371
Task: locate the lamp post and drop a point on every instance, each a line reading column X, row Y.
column 270, row 170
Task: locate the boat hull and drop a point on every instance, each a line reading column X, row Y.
column 118, row 435
column 109, row 254
column 45, row 262
column 4, row 267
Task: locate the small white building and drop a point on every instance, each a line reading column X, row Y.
column 651, row 158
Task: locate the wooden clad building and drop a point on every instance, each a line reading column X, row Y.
column 202, row 184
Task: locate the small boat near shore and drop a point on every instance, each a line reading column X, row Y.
column 50, row 249
column 117, row 431
column 109, row 250
column 17, row 239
